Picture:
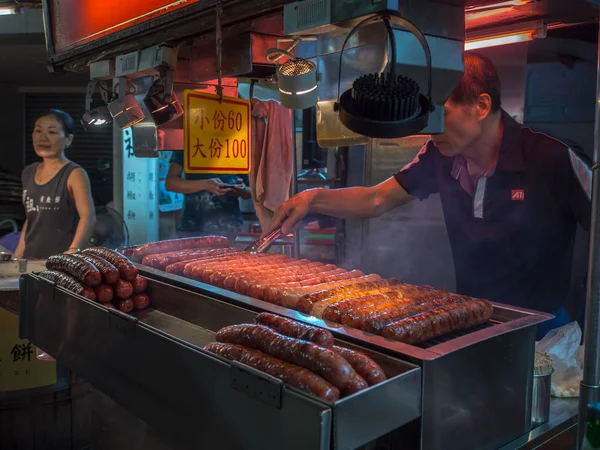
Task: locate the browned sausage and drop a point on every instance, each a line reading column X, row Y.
column 379, row 319
column 126, row 268
column 364, row 366
column 166, row 260
column 104, row 293
column 358, row 384
column 69, row 282
column 295, row 329
column 125, row 305
column 140, row 284
column 439, row 321
column 78, row 267
column 291, row 374
column 178, row 244
column 108, row 305
column 123, row 289
column 320, row 360
column 141, row 301
column 109, row 272
column 306, row 303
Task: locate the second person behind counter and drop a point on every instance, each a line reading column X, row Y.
column 211, row 205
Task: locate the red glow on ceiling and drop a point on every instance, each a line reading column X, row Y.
column 76, row 22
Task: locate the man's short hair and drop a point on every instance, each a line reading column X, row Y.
column 480, row 77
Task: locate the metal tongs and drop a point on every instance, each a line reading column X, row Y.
column 263, row 244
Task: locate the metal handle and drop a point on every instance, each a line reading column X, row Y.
column 264, row 243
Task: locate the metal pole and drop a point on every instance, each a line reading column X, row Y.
column 590, row 385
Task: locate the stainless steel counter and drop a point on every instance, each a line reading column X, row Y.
column 559, row 432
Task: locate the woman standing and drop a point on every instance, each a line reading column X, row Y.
column 59, row 208
column 210, row 202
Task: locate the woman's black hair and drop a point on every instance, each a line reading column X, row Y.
column 65, row 119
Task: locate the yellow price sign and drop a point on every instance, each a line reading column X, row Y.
column 19, row 366
column 216, row 134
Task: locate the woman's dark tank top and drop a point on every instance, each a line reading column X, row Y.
column 51, row 214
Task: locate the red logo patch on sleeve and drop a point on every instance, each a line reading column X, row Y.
column 517, row 194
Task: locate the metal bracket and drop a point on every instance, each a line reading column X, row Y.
column 265, row 389
column 122, row 322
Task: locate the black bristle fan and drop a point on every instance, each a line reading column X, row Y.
column 386, row 105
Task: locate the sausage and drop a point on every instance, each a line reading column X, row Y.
column 257, row 290
column 320, row 360
column 289, row 296
column 69, row 282
column 141, row 301
column 127, row 251
column 368, row 369
column 110, row 274
column 81, row 269
column 123, row 289
column 178, row 244
column 286, row 293
column 179, row 267
column 313, row 280
column 126, row 268
column 104, row 293
column 156, row 259
column 320, row 307
column 201, row 272
column 295, row 329
column 439, row 321
column 290, row 374
column 140, row 284
column 352, row 313
column 108, row 305
column 305, row 304
column 164, row 261
column 379, row 319
column 125, row 305
column 240, row 279
column 358, row 384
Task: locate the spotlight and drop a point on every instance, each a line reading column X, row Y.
column 99, row 116
column 296, row 80
column 162, row 102
column 125, row 110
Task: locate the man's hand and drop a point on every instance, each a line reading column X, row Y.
column 291, row 213
column 214, row 186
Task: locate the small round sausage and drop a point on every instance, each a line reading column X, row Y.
column 140, row 284
column 104, row 293
column 108, row 305
column 123, row 289
column 125, row 305
column 141, row 301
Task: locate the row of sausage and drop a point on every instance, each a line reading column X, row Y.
column 388, row 307
column 102, row 275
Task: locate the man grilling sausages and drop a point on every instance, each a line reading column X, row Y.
column 511, row 198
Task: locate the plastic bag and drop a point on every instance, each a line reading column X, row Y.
column 562, row 345
column 42, row 355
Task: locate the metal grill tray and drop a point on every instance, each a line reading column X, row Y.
column 506, row 319
column 153, row 364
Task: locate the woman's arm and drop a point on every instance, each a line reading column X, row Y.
column 175, row 183
column 79, row 188
column 20, row 250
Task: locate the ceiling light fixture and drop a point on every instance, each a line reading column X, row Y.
column 125, row 110
column 161, row 101
column 10, row 10
column 504, row 36
column 99, row 116
column 296, row 79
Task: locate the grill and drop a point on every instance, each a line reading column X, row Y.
column 450, row 336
